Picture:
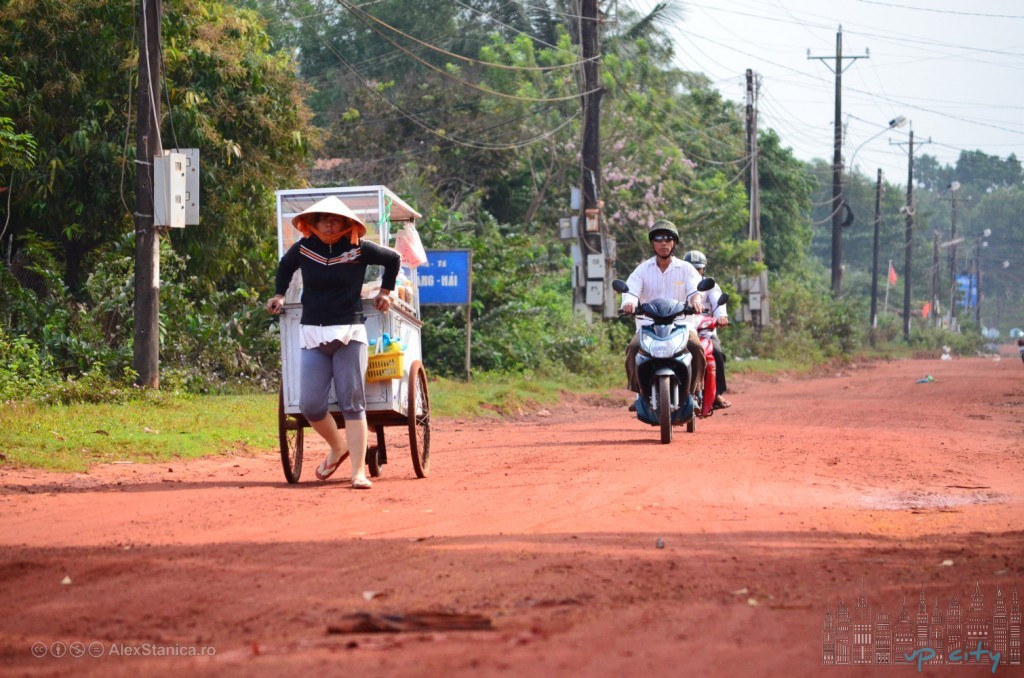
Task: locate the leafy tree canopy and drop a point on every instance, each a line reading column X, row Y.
column 226, row 94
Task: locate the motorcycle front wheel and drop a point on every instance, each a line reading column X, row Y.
column 665, row 408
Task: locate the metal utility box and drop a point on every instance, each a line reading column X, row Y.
column 595, row 292
column 379, row 209
column 595, row 267
column 169, row 189
column 191, row 184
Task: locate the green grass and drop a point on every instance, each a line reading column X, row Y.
column 165, row 428
column 71, row 437
column 498, row 395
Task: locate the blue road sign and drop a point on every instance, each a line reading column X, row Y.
column 444, row 279
column 968, row 289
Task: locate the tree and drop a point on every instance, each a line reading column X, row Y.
column 227, row 95
column 17, row 150
column 988, row 171
column 786, row 187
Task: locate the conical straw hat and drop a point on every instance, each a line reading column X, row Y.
column 329, row 205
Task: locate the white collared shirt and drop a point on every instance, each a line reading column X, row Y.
column 646, row 282
column 710, row 299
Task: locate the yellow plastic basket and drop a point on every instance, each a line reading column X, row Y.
column 384, row 366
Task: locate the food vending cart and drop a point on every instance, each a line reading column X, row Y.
column 396, row 384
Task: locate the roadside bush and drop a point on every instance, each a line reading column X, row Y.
column 969, row 342
column 210, row 342
column 27, row 374
column 806, row 321
column 24, row 371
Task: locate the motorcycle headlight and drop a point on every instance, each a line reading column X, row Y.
column 663, row 348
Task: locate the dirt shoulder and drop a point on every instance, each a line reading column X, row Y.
column 573, row 538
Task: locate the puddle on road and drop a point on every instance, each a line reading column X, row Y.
column 917, row 499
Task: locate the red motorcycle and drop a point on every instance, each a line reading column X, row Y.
column 705, row 326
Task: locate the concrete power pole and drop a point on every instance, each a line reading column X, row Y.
column 874, row 256
column 952, row 260
column 934, row 313
column 837, row 164
column 908, row 211
column 908, row 239
column 756, row 288
column 146, row 352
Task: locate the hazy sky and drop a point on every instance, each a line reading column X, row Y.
column 954, row 69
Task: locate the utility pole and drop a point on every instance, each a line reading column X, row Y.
column 952, row 259
column 908, row 211
column 977, row 273
column 908, row 240
column 591, row 226
column 934, row 314
column 756, row 288
column 146, row 350
column 837, row 163
column 874, row 255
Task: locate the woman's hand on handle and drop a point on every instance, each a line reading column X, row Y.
column 276, row 304
column 382, row 302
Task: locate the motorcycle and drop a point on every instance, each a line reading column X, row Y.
column 706, row 325
column 663, row 363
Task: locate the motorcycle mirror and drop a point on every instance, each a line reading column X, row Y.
column 723, row 299
column 620, row 286
column 704, row 285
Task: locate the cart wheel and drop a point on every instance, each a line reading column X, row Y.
column 376, row 455
column 419, row 419
column 290, row 436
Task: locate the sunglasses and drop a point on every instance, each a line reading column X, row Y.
column 662, row 238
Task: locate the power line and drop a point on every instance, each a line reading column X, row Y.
column 943, row 11
column 471, row 85
column 489, row 64
column 444, row 135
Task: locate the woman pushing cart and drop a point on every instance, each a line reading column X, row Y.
column 331, row 317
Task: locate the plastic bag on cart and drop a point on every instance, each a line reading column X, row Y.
column 408, row 244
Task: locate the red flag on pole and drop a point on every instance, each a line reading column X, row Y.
column 892, row 274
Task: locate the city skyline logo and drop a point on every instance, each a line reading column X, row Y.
column 953, row 635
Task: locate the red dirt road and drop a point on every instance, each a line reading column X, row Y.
column 588, row 547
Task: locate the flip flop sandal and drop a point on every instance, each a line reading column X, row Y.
column 324, row 471
column 724, row 404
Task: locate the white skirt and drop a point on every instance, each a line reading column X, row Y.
column 314, row 335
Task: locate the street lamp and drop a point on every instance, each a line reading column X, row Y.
column 898, row 121
column 839, row 201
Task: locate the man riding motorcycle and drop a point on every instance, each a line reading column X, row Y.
column 663, row 276
column 721, row 315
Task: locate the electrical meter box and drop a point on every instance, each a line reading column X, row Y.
column 169, row 192
column 595, row 292
column 191, row 184
column 595, row 267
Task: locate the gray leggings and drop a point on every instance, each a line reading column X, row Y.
column 346, row 365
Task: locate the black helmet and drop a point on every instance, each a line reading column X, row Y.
column 696, row 258
column 663, row 226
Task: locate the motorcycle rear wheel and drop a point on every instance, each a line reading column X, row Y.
column 665, row 408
